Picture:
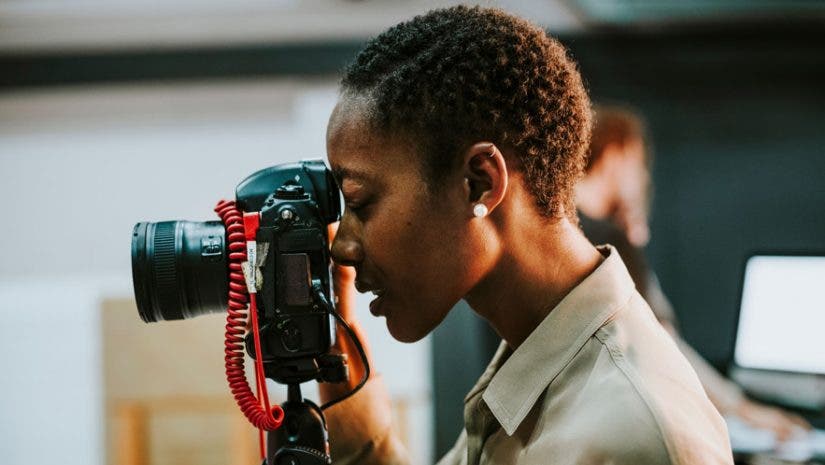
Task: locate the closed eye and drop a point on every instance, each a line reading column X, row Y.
column 356, row 207
column 361, row 208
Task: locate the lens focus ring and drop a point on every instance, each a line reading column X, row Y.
column 165, row 271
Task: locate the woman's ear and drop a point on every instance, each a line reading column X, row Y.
column 485, row 175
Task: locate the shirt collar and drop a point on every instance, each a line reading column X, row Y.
column 514, row 380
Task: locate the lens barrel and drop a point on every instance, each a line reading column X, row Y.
column 179, row 269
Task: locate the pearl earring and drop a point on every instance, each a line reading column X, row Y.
column 480, row 210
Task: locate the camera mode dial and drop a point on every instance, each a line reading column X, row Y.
column 291, row 192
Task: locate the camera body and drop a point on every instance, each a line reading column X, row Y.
column 296, row 329
column 180, row 269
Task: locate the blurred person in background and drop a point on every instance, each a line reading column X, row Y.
column 457, row 142
column 613, row 200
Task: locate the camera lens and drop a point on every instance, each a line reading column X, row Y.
column 179, row 269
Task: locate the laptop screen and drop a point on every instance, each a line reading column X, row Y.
column 782, row 314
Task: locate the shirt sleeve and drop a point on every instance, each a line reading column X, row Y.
column 360, row 429
column 722, row 392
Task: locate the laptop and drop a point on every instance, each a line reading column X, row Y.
column 779, row 348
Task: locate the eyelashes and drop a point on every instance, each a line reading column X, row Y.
column 357, row 208
column 360, row 209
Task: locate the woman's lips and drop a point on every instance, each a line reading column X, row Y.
column 363, row 286
column 375, row 304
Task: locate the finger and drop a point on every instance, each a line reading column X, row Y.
column 345, row 275
column 362, row 338
column 343, row 282
column 767, row 418
column 354, row 361
column 332, row 228
column 783, row 429
column 781, row 424
column 344, row 288
column 798, row 421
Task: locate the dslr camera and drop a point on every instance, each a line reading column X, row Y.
column 269, row 254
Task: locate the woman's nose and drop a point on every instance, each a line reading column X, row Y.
column 346, row 250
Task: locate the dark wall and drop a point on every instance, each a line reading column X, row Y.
column 737, row 119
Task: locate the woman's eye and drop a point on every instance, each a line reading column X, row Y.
column 357, row 200
column 359, row 208
column 355, row 207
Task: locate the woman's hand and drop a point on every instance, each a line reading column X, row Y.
column 783, row 424
column 362, row 428
column 344, row 287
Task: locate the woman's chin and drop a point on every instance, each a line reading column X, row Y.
column 409, row 324
column 402, row 332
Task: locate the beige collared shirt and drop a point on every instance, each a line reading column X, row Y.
column 599, row 381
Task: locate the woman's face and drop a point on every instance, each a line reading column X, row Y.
column 412, row 248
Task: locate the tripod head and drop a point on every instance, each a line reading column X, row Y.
column 302, row 439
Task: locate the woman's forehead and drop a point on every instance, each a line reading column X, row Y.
column 352, row 149
column 349, row 127
column 366, row 161
column 356, row 149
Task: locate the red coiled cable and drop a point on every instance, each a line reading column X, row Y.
column 262, row 416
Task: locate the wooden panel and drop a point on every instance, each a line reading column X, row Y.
column 167, row 401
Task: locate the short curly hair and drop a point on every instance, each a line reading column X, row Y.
column 460, row 75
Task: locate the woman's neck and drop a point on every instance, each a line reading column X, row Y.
column 540, row 266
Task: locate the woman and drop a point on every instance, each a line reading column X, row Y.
column 613, row 199
column 456, row 142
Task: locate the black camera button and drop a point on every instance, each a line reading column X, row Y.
column 291, row 336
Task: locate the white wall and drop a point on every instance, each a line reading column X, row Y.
column 78, row 167
column 40, row 25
